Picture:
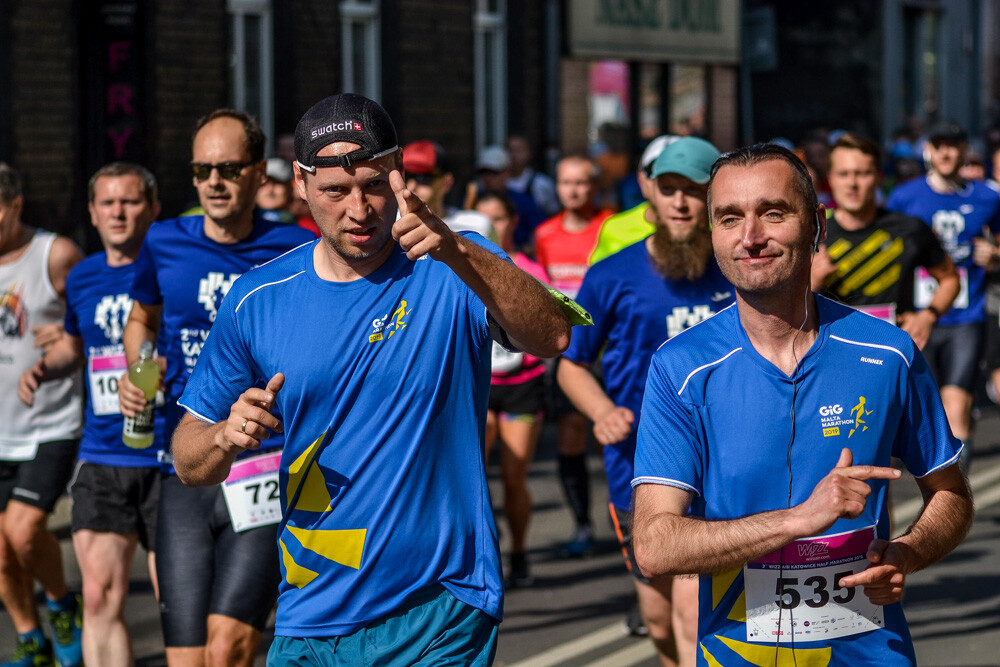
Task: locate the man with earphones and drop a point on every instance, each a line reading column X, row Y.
column 764, row 448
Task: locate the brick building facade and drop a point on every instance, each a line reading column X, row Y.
column 89, row 81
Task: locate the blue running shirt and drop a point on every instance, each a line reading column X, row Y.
column 956, row 218
column 97, row 307
column 187, row 273
column 715, row 421
column 383, row 487
column 635, row 309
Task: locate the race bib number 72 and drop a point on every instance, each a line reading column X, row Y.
column 251, row 491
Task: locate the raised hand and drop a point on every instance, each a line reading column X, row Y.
column 419, row 231
column 250, row 420
column 843, row 493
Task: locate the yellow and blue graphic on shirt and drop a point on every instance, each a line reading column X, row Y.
column 868, row 266
column 832, row 417
column 309, row 491
column 724, row 597
column 859, row 412
column 386, row 326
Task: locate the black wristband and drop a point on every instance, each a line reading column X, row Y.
column 935, row 311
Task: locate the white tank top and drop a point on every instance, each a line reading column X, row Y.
column 28, row 300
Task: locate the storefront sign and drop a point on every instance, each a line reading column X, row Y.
column 701, row 31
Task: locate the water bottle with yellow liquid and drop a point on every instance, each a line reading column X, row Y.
column 144, row 374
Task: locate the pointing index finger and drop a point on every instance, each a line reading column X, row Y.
column 874, row 472
column 408, row 202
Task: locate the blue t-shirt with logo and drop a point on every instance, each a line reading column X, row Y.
column 635, row 308
column 382, row 478
column 97, row 307
column 187, row 273
column 718, row 420
column 957, row 218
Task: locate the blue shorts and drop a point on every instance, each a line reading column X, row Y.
column 431, row 628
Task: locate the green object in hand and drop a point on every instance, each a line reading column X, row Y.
column 576, row 313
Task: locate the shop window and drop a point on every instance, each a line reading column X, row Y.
column 251, row 83
column 688, row 100
column 360, row 44
column 490, row 44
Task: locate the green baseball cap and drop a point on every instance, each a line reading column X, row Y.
column 690, row 157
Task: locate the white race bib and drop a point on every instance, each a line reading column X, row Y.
column 105, row 370
column 924, row 286
column 800, row 585
column 252, row 493
column 504, row 361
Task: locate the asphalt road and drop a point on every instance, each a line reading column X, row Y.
column 573, row 614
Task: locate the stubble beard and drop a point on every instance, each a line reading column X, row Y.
column 681, row 259
column 351, row 253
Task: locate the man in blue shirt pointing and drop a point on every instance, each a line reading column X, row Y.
column 374, row 343
column 765, row 445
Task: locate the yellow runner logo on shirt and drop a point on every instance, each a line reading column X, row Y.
column 859, row 412
column 386, row 326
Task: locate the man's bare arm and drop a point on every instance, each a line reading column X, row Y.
column 62, row 258
column 612, row 423
column 948, row 285
column 668, row 542
column 920, row 323
column 203, row 453
column 942, row 525
column 520, row 304
column 821, row 269
column 63, row 357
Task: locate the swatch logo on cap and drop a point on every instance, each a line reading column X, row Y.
column 335, row 127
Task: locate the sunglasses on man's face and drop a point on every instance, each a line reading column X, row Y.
column 424, row 179
column 230, row 171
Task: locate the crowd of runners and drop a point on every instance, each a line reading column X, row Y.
column 346, row 335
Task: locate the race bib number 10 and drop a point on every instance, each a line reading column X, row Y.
column 251, row 492
column 794, row 594
column 105, row 369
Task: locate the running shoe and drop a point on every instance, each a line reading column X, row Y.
column 520, row 575
column 31, row 653
column 67, row 626
column 581, row 544
column 634, row 625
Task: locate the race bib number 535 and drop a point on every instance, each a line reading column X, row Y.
column 794, row 594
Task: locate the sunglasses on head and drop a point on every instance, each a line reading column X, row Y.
column 228, row 170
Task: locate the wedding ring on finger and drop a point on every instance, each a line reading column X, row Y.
column 244, row 427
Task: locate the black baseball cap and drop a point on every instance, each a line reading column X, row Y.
column 344, row 117
column 948, row 131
